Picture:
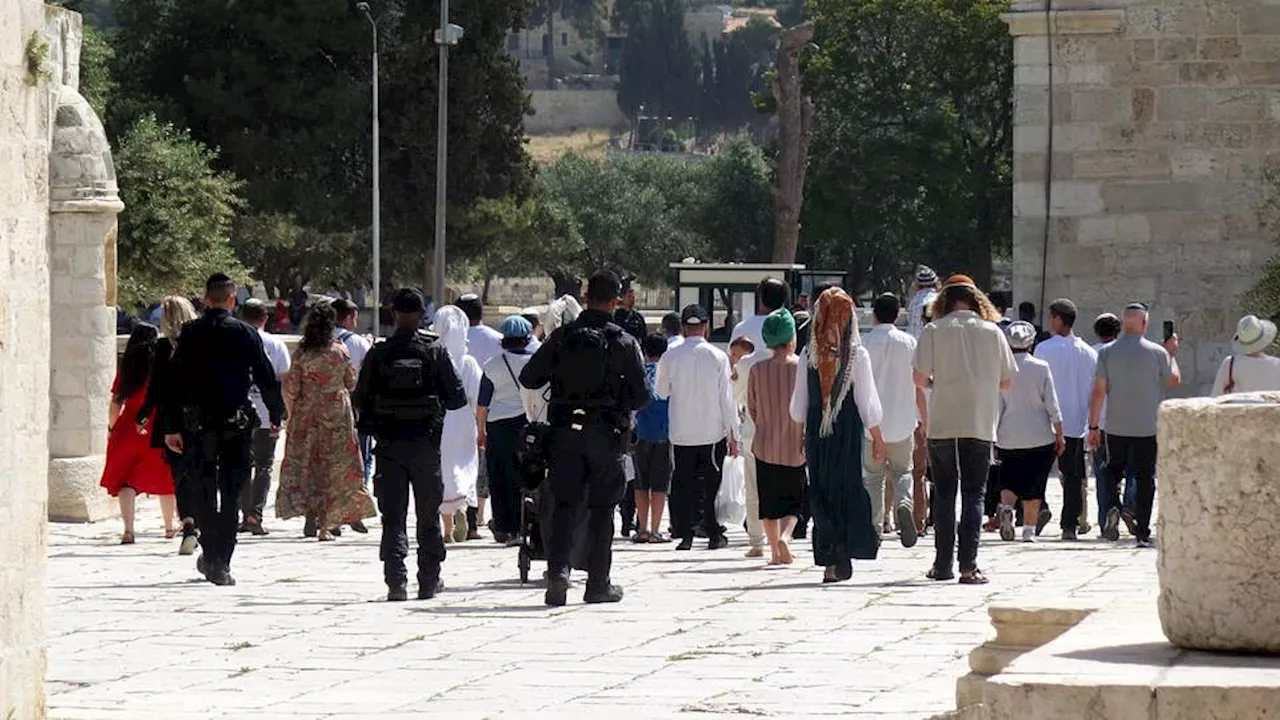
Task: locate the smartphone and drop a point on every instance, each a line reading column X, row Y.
column 1168, row 330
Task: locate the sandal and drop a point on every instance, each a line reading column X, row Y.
column 784, row 553
column 170, row 533
column 657, row 538
column 642, row 536
column 941, row 576
column 974, row 578
column 126, row 538
column 324, row 536
column 830, row 575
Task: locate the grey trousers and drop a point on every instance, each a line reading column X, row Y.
column 895, row 472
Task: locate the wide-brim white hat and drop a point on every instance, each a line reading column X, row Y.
column 1253, row 334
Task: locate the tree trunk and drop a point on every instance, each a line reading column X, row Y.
column 795, row 119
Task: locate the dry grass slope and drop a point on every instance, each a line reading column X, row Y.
column 545, row 149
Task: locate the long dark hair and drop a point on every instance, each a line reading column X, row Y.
column 135, row 366
column 317, row 334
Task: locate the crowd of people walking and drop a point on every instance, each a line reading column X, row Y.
column 580, row 413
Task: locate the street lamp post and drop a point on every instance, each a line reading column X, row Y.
column 377, row 189
column 445, row 36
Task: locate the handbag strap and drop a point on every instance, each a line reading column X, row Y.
column 511, row 372
column 1231, row 374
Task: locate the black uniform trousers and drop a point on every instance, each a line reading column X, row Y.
column 404, row 466
column 221, row 462
column 1071, row 465
column 1140, row 453
column 694, row 484
column 253, row 498
column 186, row 485
column 586, row 468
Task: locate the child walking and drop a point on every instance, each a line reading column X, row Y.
column 778, row 445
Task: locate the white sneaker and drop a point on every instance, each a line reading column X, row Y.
column 1028, row 534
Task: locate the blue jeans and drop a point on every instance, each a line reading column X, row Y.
column 366, row 452
column 1100, row 487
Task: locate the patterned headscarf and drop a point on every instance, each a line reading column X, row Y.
column 831, row 347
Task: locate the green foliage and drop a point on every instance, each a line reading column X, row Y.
column 734, row 212
column 178, row 216
column 36, row 53
column 96, row 84
column 658, row 76
column 732, row 72
column 97, row 13
column 912, row 138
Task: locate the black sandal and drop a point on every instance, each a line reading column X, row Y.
column 935, row 574
column 974, row 578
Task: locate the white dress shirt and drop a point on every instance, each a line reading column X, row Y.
column 278, row 353
column 483, row 342
column 695, row 378
column 1073, row 365
column 864, row 389
column 892, row 352
column 357, row 345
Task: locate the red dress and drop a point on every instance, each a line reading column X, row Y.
column 131, row 461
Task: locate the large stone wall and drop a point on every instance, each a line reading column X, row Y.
column 1163, row 115
column 25, row 125
column 567, row 110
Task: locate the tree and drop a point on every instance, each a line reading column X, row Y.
column 734, row 210
column 178, row 214
column 914, row 115
column 584, row 16
column 795, row 120
column 732, row 70
column 658, row 74
column 96, row 83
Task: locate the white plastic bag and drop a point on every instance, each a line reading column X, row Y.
column 731, row 498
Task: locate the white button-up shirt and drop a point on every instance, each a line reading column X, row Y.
column 278, row 353
column 695, row 378
column 892, row 352
column 357, row 345
column 1073, row 365
column 483, row 343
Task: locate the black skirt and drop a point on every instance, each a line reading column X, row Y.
column 781, row 489
column 1025, row 471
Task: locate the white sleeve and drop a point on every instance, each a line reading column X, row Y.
column 800, row 395
column 864, row 390
column 662, row 385
column 728, row 410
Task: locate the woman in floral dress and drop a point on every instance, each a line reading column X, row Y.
column 322, row 476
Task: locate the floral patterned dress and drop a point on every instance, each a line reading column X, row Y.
column 322, row 475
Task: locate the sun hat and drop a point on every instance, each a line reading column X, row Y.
column 960, row 280
column 1253, row 334
column 779, row 328
column 516, row 326
column 1022, row 335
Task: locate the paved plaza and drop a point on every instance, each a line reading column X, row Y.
column 135, row 633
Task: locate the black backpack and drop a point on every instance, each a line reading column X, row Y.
column 585, row 374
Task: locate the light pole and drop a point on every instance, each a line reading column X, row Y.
column 445, row 36
column 377, row 189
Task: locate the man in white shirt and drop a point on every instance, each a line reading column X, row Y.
column 344, row 331
column 483, row 342
column 703, row 426
column 771, row 294
column 253, row 496
column 671, row 330
column 892, row 352
column 1073, row 365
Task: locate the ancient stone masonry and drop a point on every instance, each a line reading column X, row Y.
column 1163, row 116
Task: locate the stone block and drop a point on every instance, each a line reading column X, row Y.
column 1131, row 197
column 1196, row 163
column 1144, row 50
column 1152, row 21
column 1145, row 74
column 1066, row 22
column 1206, row 73
column 1105, row 105
column 1181, row 103
column 1028, row 636
column 1260, row 20
column 1066, row 137
column 969, row 689
column 1068, row 198
column 1175, row 48
column 1121, row 164
column 1126, row 230
column 990, row 659
column 1216, row 591
column 1142, row 105
column 1030, row 167
column 1219, row 48
column 1260, row 47
column 1238, row 104
column 1258, row 72
column 74, row 493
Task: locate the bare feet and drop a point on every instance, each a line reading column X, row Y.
column 755, row 552
column 784, row 552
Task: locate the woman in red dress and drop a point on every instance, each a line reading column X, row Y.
column 133, row 466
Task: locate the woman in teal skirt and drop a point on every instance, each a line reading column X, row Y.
column 836, row 399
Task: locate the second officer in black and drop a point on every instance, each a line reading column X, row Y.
column 597, row 380
column 406, row 385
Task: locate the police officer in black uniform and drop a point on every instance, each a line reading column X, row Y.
column 406, row 385
column 597, row 380
column 210, row 420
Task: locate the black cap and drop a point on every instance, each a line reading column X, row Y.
column 694, row 315
column 408, row 300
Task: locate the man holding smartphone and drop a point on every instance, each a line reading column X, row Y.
column 1132, row 378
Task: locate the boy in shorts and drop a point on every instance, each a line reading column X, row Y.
column 652, row 451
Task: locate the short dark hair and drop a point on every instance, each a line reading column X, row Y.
column 886, row 308
column 219, row 288
column 343, row 309
column 253, row 311
column 515, row 343
column 1107, row 328
column 473, row 306
column 773, row 293
column 534, row 319
column 653, row 345
column 671, row 323
column 1065, row 311
column 603, row 287
column 1026, row 309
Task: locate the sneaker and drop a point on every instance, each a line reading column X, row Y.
column 557, row 591
column 202, row 567
column 1111, row 527
column 1069, row 535
column 222, row 578
column 1145, row 543
column 242, row 528
column 1130, row 522
column 473, row 534
column 718, row 542
column 1042, row 519
column 685, row 544
column 906, row 527
column 459, row 526
column 254, row 526
column 398, row 593
column 1082, row 525
column 610, row 594
column 190, row 540
column 427, row 594
column 1006, row 523
column 1028, row 534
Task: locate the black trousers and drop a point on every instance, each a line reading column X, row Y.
column 406, row 466
column 505, row 473
column 221, row 462
column 1072, row 466
column 253, row 496
column 586, row 470
column 958, row 465
column 186, row 484
column 694, row 484
column 1140, row 454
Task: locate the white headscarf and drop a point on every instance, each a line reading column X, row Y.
column 562, row 311
column 451, row 325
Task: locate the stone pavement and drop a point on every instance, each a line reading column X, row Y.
column 134, row 633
